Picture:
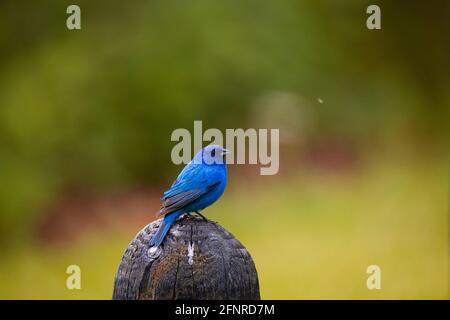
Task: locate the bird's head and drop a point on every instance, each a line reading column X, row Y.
column 212, row 154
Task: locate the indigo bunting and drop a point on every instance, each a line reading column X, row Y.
column 200, row 184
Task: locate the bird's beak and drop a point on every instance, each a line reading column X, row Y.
column 225, row 152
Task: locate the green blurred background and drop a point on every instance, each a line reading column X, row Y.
column 86, row 118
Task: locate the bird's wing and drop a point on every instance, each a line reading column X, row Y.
column 187, row 176
column 182, row 199
column 189, row 186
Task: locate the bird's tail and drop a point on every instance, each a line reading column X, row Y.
column 164, row 228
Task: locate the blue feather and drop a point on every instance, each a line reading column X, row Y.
column 199, row 184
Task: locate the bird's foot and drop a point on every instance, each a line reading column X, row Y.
column 204, row 218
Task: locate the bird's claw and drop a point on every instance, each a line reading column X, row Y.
column 204, row 218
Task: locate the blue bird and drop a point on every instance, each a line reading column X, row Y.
column 200, row 184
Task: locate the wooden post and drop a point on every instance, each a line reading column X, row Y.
column 198, row 259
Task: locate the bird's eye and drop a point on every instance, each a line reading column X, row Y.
column 213, row 153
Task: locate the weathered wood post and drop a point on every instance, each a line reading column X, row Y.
column 199, row 259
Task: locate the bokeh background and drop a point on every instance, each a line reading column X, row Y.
column 86, row 118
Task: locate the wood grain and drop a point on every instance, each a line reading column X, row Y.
column 198, row 259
